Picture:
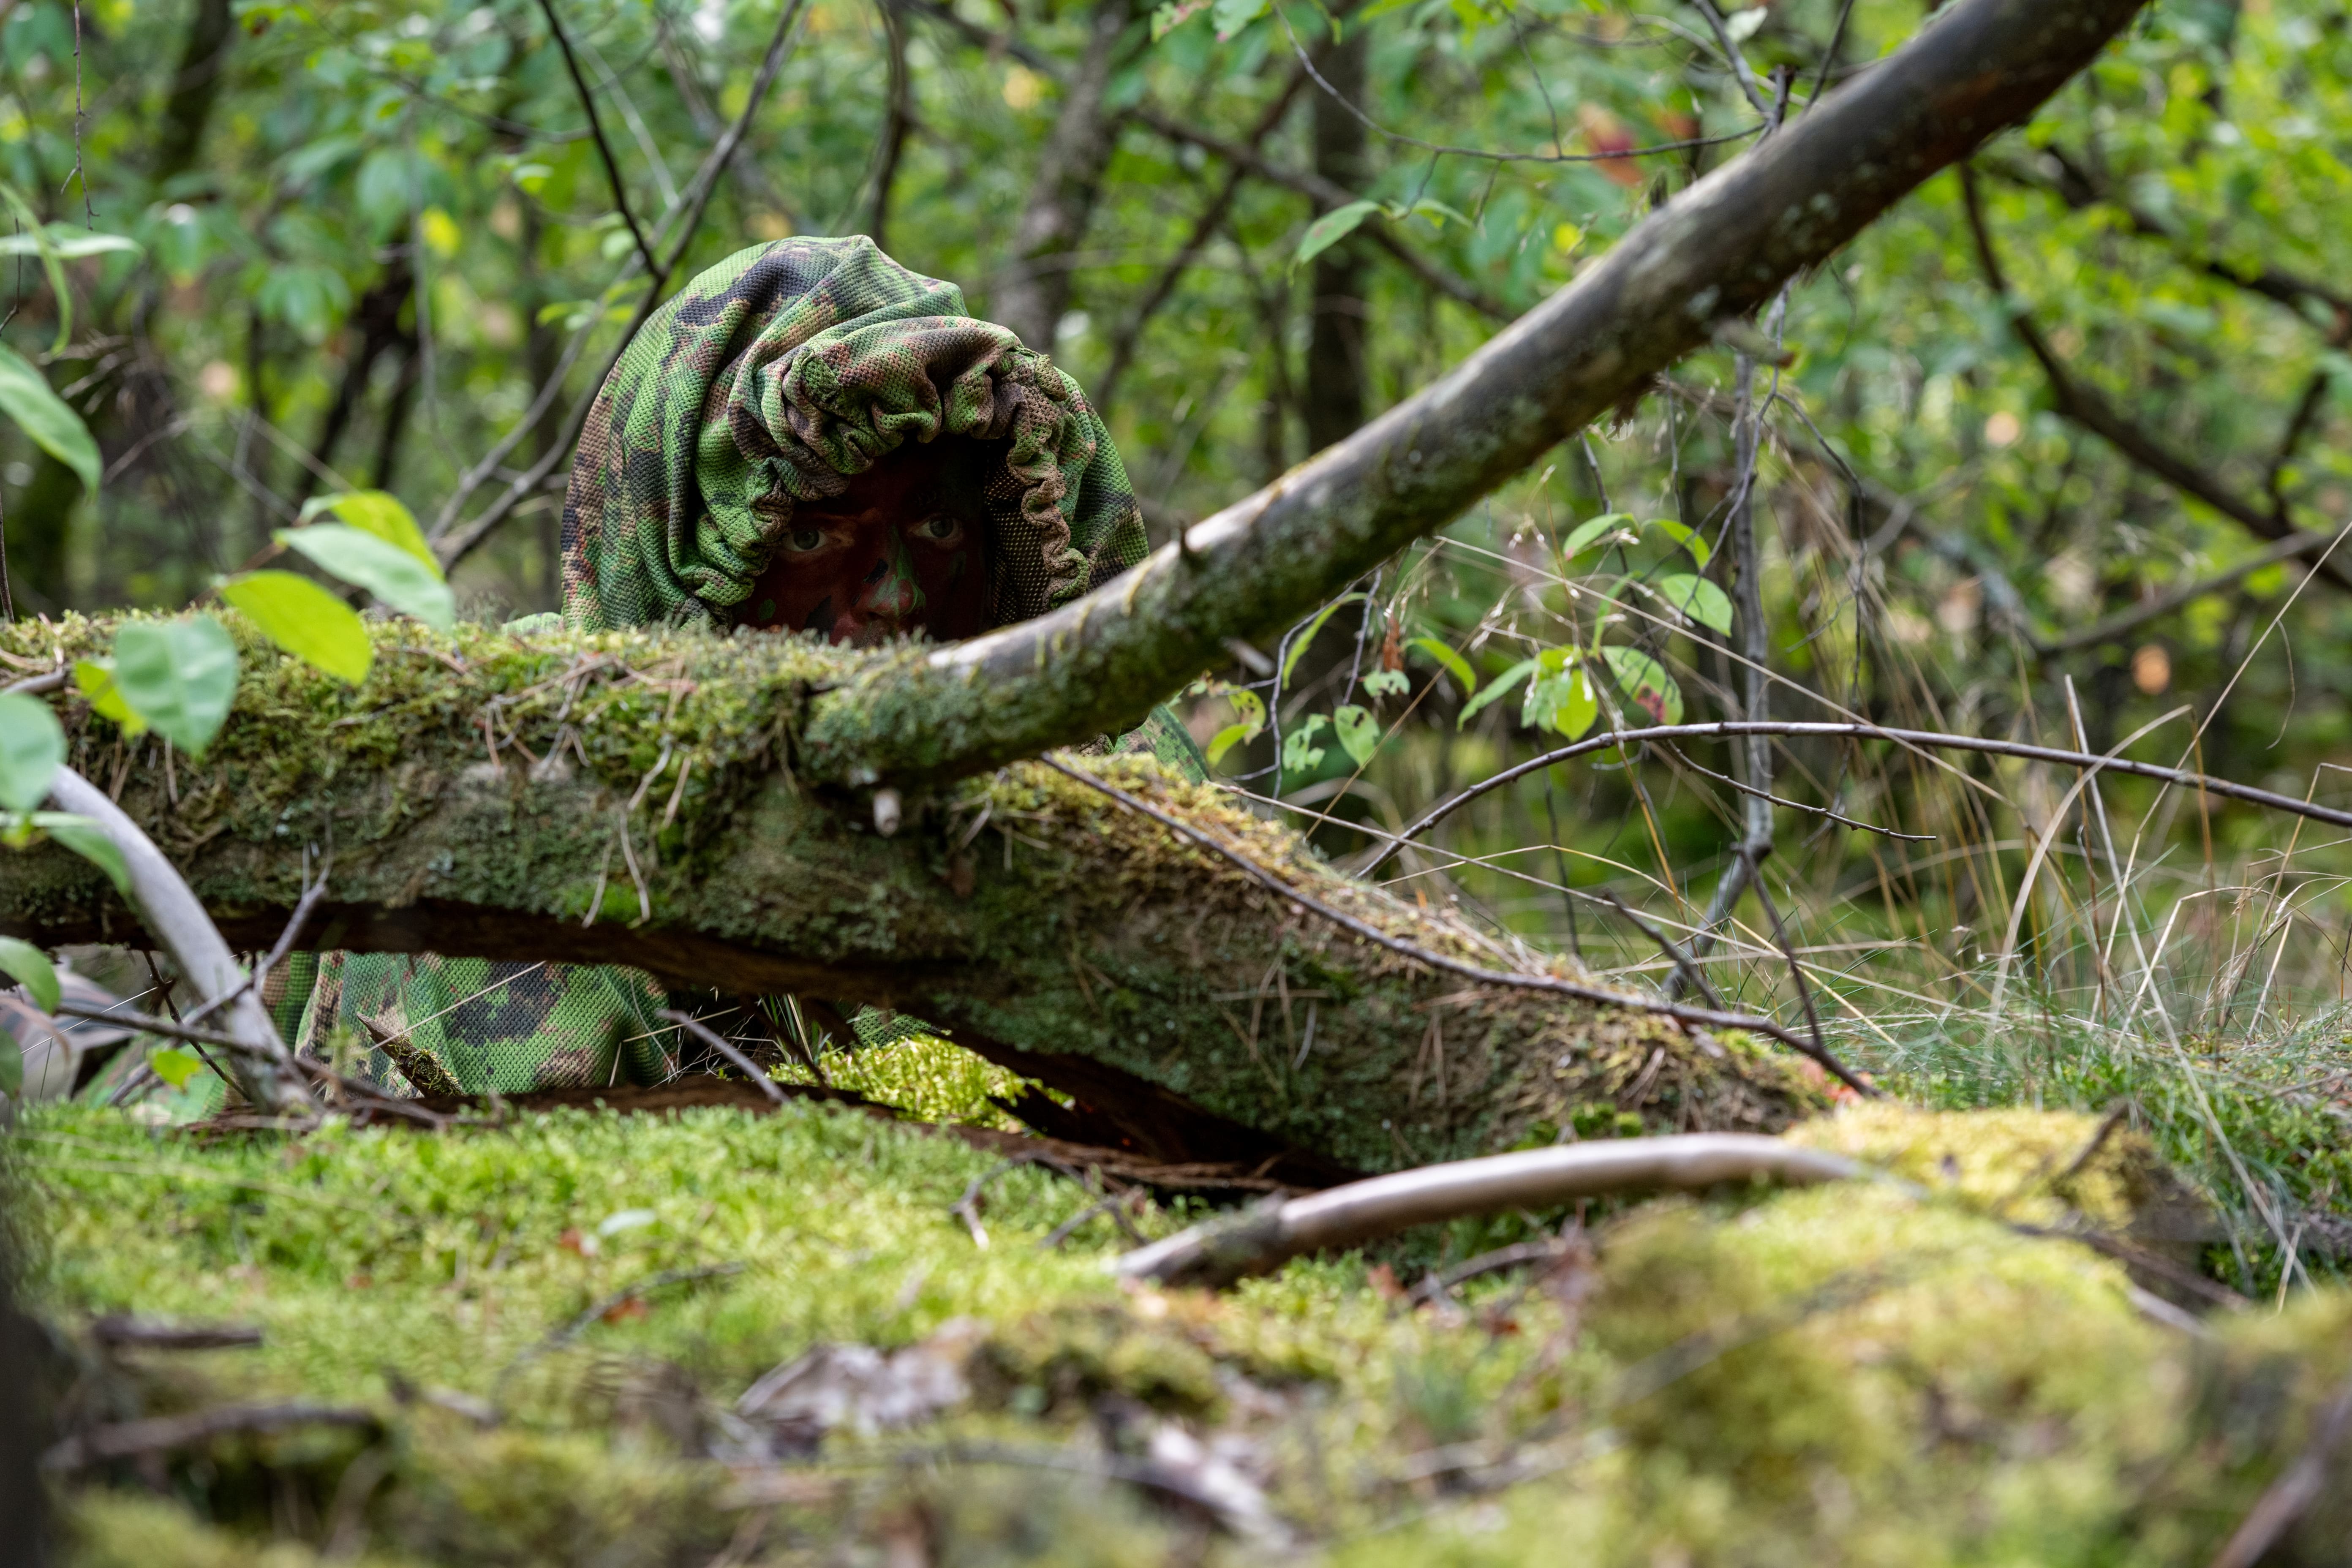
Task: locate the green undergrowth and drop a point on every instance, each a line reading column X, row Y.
column 2260, row 1118
column 1888, row 1374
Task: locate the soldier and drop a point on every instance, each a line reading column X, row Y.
column 808, row 440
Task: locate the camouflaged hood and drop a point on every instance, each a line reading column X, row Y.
column 786, row 368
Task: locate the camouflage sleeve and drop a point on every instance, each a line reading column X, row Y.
column 426, row 1024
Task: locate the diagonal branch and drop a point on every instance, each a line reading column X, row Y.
column 604, row 148
column 1718, row 250
column 2086, row 406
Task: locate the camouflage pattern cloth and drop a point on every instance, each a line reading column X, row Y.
column 769, row 379
column 780, row 372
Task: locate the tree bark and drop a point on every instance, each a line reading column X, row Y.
column 1036, row 288
column 1044, row 925
column 1716, row 252
column 1335, row 350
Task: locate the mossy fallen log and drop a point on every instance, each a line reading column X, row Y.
column 631, row 798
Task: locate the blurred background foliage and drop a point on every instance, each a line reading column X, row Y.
column 2042, row 439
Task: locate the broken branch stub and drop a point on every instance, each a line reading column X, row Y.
column 1717, row 251
column 1267, row 1234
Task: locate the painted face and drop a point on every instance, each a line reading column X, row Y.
column 903, row 548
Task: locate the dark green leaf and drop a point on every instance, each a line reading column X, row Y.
column 178, row 676
column 389, row 571
column 48, row 419
column 32, row 749
column 30, row 967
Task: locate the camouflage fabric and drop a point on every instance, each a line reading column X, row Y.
column 769, row 379
column 779, row 372
column 471, row 1026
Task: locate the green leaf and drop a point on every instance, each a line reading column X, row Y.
column 1298, row 644
column 94, row 677
column 1299, row 756
column 48, row 419
column 388, row 570
column 12, row 1067
column 1498, row 687
column 68, row 243
column 1454, row 664
column 1437, row 212
column 1689, row 538
column 1358, row 732
column 1584, row 533
column 44, row 243
column 88, row 841
column 178, row 676
column 1226, row 739
column 1699, row 599
column 1387, row 683
column 28, row 966
column 175, row 1066
column 1231, row 15
column 1564, row 703
column 379, row 512
column 1167, row 18
column 1331, row 228
column 306, row 621
column 1645, row 680
column 32, row 749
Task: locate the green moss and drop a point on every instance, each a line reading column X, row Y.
column 1852, row 1374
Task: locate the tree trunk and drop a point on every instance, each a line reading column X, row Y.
column 1042, row 923
column 1036, row 288
column 203, row 60
column 1335, row 354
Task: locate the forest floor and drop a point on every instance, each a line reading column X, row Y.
column 551, row 1341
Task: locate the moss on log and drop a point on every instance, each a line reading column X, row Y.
column 631, row 798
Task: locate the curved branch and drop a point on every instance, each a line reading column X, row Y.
column 1268, row 1235
column 1719, row 249
column 177, row 919
column 2204, row 783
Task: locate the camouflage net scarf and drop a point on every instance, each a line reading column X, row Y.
column 780, row 372
column 769, row 379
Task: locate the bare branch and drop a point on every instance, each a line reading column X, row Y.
column 654, row 267
column 2087, row 407
column 1717, row 251
column 265, row 1067
column 1264, row 1236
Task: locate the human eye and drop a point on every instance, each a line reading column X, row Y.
column 800, row 540
column 940, row 528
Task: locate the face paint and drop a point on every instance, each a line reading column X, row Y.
column 902, row 549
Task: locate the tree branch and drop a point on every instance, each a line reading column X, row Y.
column 1264, row 1238
column 265, row 1068
column 2087, row 407
column 653, row 263
column 1718, row 250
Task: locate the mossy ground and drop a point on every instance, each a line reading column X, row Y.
column 1853, row 1374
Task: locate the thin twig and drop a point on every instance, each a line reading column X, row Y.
column 2288, row 1498
column 1705, row 1017
column 1684, row 965
column 654, row 268
column 160, row 1434
column 453, row 545
column 1917, row 739
column 725, row 1047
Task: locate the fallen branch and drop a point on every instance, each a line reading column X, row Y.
column 1702, row 1017
column 1717, row 251
column 120, row 1330
column 1268, row 1235
column 175, row 919
column 2288, row 1498
column 162, row 1434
